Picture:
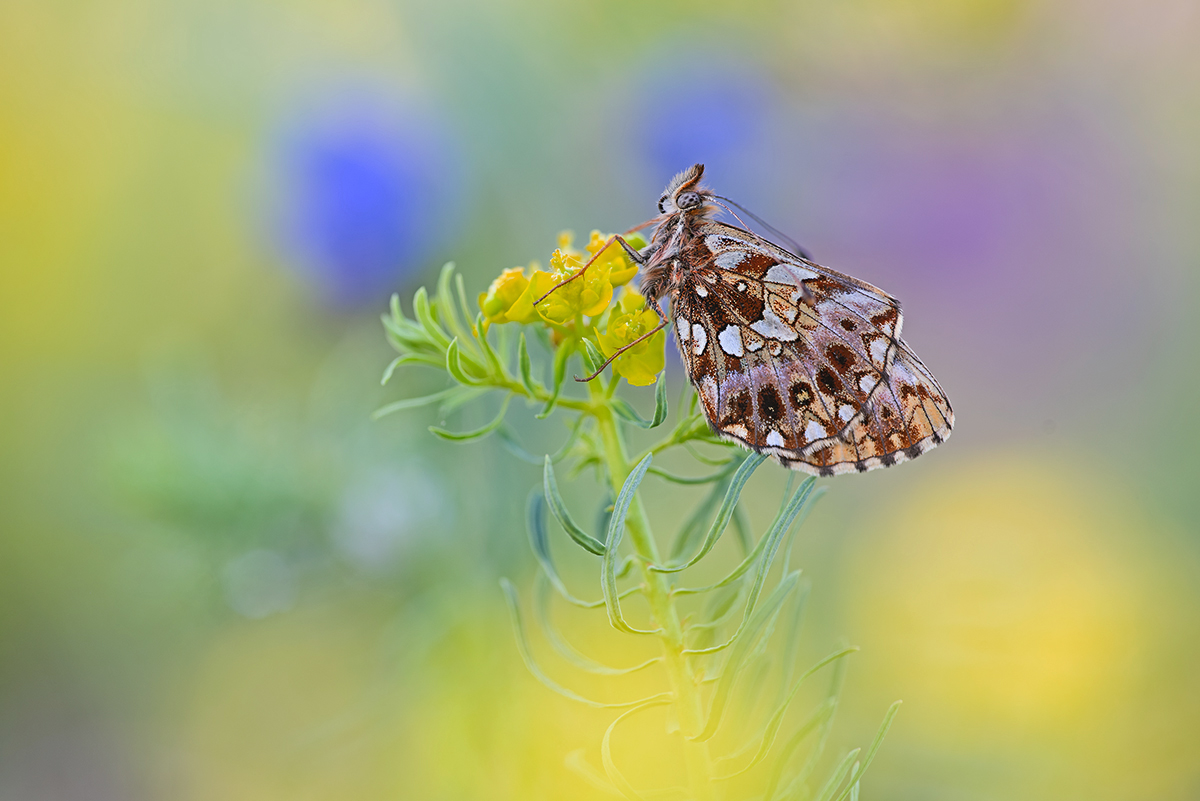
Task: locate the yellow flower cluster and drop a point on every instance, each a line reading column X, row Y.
column 511, row 299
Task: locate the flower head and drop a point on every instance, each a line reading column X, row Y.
column 498, row 301
column 640, row 364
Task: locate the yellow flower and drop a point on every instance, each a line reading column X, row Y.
column 640, row 364
column 498, row 301
column 614, row 262
column 589, row 295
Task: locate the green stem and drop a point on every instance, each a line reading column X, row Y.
column 684, row 685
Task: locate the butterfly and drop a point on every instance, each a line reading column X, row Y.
column 788, row 358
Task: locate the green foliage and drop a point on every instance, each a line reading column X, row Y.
column 710, row 656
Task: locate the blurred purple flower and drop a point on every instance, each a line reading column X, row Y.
column 365, row 195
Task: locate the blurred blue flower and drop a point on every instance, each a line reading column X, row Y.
column 715, row 112
column 366, row 192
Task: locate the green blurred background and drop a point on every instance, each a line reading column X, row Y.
column 218, row 579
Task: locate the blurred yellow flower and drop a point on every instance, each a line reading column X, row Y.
column 502, row 294
column 642, row 363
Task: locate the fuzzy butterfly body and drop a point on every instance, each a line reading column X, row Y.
column 789, row 358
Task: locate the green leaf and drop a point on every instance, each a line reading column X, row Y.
column 539, row 541
column 526, row 368
column 445, row 303
column 838, row 776
column 616, row 529
column 489, row 354
column 454, row 366
column 773, row 537
column 738, row 653
column 751, row 559
column 693, row 528
column 741, row 527
column 413, row 403
column 626, row 412
column 734, row 492
column 592, row 357
column 693, row 480
column 878, row 741
column 541, row 610
column 772, row 728
column 822, row 717
column 614, row 775
column 561, row 355
column 559, row 509
column 514, row 609
column 465, row 436
column 425, row 317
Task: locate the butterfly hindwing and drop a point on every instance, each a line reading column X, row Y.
column 801, row 362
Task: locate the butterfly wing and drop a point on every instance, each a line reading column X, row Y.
column 799, row 361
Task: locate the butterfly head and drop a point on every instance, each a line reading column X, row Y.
column 684, row 193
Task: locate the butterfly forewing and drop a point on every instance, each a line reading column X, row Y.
column 800, row 361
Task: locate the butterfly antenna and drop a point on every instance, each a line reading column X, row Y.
column 796, row 247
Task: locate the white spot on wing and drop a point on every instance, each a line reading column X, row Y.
column 701, row 290
column 846, row 412
column 731, row 340
column 684, row 328
column 788, row 274
column 772, row 327
column 738, row 430
column 814, row 430
column 775, row 439
column 699, row 339
column 866, row 382
column 879, row 346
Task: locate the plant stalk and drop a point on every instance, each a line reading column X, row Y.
column 689, row 707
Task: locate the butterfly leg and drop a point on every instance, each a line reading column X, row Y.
column 629, row 249
column 654, row 305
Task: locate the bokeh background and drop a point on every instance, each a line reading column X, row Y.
column 219, row 579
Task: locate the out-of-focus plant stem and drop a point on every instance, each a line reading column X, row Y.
column 687, row 701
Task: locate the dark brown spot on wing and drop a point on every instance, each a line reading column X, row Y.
column 769, row 404
column 841, row 356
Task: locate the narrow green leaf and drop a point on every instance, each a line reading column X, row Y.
column 445, row 303
column 878, row 741
column 559, row 509
column 614, row 775
column 561, row 355
column 465, row 436
column 751, row 559
column 616, row 529
column 526, row 368
column 660, row 401
column 514, row 610
column 693, row 480
column 822, row 718
column 541, row 610
column 513, row 445
column 467, row 308
column 413, row 403
column 772, row 727
column 454, row 366
column 592, row 357
column 539, row 541
column 773, row 537
column 738, row 653
column 818, row 493
column 626, row 411
column 744, row 471
column 838, row 776
column 425, row 317
column 489, row 354
column 741, row 527
column 693, row 528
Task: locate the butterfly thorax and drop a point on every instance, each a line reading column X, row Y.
column 671, row 254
